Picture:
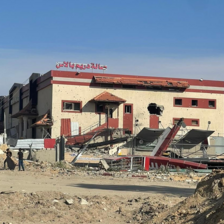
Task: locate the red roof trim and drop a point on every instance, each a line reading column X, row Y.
column 108, row 97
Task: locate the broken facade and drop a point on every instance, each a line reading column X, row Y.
column 72, row 103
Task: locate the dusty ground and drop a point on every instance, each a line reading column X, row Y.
column 40, row 197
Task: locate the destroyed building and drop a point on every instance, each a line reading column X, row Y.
column 73, row 103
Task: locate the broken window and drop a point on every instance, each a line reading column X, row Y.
column 211, row 103
column 194, row 103
column 194, row 122
column 68, row 106
column 153, row 108
column 128, row 109
column 72, row 106
column 178, row 102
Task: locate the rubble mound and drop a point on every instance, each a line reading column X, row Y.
column 57, row 207
column 205, row 206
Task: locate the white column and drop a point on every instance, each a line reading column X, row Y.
column 20, row 127
column 25, row 119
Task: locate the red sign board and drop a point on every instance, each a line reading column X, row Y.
column 80, row 66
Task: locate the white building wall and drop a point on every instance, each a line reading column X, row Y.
column 140, row 100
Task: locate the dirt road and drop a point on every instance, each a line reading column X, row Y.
column 86, row 185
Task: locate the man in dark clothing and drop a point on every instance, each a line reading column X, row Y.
column 20, row 157
column 8, row 155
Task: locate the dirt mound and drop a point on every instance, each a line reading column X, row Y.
column 205, row 206
column 57, row 207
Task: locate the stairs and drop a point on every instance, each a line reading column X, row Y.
column 85, row 137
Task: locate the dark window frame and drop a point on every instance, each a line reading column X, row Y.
column 176, row 102
column 72, row 102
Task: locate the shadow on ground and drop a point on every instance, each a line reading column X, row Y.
column 185, row 192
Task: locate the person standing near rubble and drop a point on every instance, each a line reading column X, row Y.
column 8, row 155
column 20, row 157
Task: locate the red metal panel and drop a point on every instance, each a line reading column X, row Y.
column 154, row 121
column 49, row 143
column 66, row 126
column 147, row 163
column 173, row 163
column 128, row 118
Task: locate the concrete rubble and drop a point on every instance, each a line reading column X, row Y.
column 205, row 206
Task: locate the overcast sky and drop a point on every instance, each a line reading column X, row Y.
column 153, row 38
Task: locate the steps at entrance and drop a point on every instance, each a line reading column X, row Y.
column 81, row 139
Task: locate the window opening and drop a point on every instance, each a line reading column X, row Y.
column 194, row 103
column 128, row 109
column 178, row 102
column 211, row 103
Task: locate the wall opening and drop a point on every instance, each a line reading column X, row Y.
column 194, row 103
column 153, row 108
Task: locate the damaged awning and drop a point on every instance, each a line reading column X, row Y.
column 29, row 110
column 149, row 135
column 43, row 120
column 193, row 138
column 142, row 82
column 108, row 97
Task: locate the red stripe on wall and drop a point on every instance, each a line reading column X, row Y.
column 201, row 103
column 98, row 85
column 89, row 75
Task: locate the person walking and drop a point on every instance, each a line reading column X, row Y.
column 20, row 157
column 8, row 155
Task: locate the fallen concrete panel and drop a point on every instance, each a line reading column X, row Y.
column 104, row 163
column 193, row 138
column 149, row 135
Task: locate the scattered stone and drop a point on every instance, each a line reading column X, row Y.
column 83, row 202
column 69, row 201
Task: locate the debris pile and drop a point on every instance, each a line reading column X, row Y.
column 206, row 205
column 57, row 207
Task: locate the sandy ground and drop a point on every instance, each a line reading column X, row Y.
column 81, row 185
column 110, row 200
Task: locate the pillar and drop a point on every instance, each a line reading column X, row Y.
column 25, row 119
column 20, row 127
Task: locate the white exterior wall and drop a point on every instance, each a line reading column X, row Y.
column 140, row 100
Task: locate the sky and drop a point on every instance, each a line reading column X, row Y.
column 161, row 38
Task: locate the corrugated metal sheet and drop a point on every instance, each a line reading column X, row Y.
column 26, row 143
column 66, row 126
column 193, row 138
column 220, row 142
column 142, row 82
